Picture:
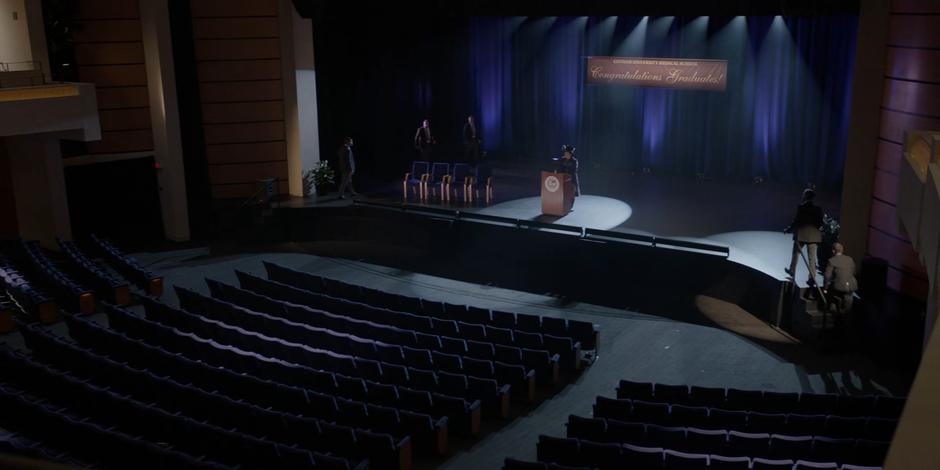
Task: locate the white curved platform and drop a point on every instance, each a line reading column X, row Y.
column 602, row 213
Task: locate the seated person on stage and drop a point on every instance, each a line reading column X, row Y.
column 569, row 165
column 840, row 281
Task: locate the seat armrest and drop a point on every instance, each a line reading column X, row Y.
column 555, row 358
column 441, row 423
column 404, row 441
column 425, row 177
column 407, row 176
column 530, row 383
column 504, row 396
column 405, row 454
column 441, row 435
column 476, row 415
column 577, row 355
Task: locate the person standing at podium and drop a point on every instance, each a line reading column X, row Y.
column 569, row 165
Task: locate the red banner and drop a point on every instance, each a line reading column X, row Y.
column 684, row 74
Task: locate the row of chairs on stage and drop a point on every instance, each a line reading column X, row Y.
column 442, row 180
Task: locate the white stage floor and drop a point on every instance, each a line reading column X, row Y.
column 597, row 212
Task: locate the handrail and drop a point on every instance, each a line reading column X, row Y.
column 582, row 232
column 259, row 190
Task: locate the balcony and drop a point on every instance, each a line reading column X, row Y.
column 69, row 109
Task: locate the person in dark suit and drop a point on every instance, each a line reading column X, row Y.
column 424, row 141
column 347, row 167
column 471, row 141
column 569, row 165
column 805, row 230
column 840, row 283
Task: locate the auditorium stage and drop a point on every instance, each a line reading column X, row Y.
column 747, row 218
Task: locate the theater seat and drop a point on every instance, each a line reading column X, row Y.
column 558, row 450
column 676, row 460
column 513, row 464
column 721, row 462
column 417, row 180
column 602, row 455
column 635, row 390
column 809, row 465
column 625, row 432
column 593, row 429
column 771, row 464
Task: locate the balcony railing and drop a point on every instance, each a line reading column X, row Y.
column 21, row 74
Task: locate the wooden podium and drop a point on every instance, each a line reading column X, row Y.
column 557, row 193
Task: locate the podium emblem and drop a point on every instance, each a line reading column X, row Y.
column 552, row 184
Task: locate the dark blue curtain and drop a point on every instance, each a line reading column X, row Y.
column 783, row 116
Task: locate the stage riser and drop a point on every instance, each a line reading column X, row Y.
column 638, row 277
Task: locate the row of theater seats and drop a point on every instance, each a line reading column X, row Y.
column 406, row 330
column 420, row 350
column 34, row 300
column 89, row 273
column 374, row 360
column 6, row 312
column 302, row 385
column 76, row 296
column 24, row 447
column 764, row 401
column 464, row 413
column 579, row 331
column 127, row 266
column 76, row 280
column 163, row 422
column 575, row 454
column 729, row 442
column 664, row 414
column 95, row 443
column 668, row 426
column 113, row 354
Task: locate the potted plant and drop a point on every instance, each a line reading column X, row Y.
column 321, row 177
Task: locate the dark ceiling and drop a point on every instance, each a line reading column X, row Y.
column 431, row 9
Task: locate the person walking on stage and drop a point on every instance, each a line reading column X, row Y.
column 424, row 141
column 569, row 165
column 347, row 168
column 805, row 230
column 471, row 141
column 840, row 283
